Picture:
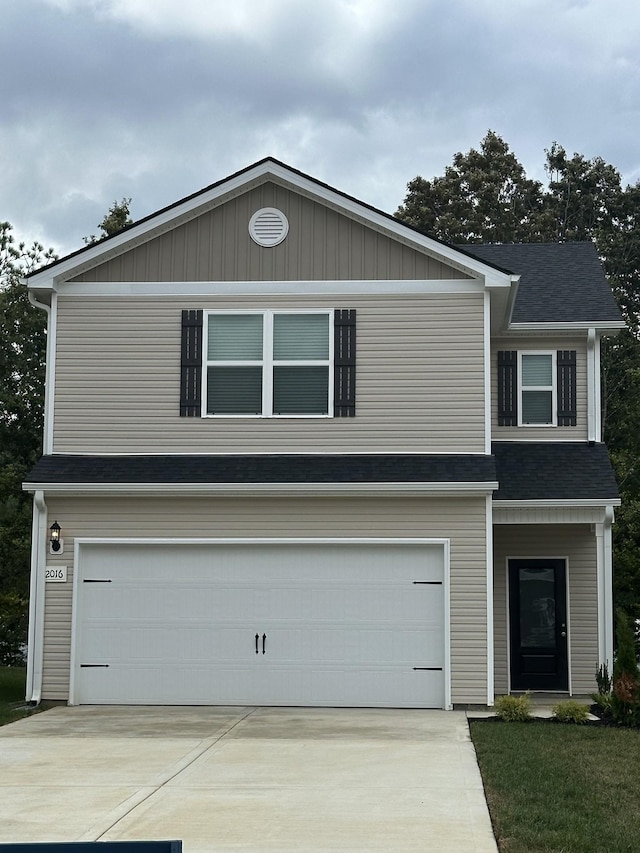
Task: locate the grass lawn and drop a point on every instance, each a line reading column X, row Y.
column 561, row 788
column 12, row 684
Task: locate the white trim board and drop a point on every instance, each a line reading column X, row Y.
column 257, row 489
column 181, row 289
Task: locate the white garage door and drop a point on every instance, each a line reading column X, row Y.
column 260, row 624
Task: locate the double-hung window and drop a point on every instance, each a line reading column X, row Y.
column 268, row 363
column 537, row 373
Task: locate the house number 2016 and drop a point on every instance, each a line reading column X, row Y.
column 55, row 574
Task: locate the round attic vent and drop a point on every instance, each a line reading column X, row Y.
column 268, row 226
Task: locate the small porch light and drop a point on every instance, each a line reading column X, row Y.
column 56, row 544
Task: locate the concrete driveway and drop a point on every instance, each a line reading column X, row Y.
column 245, row 779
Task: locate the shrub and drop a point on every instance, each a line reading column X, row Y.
column 514, row 709
column 570, row 711
column 603, row 680
column 625, row 699
column 13, row 629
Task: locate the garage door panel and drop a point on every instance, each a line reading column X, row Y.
column 342, row 624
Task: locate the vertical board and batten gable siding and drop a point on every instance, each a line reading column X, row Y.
column 420, row 381
column 578, row 544
column 529, row 433
column 322, row 244
column 460, row 519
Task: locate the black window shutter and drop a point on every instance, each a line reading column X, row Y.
column 191, row 365
column 344, row 361
column 508, row 388
column 566, row 361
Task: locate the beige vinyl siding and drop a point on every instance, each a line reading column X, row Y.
column 460, row 519
column 528, row 433
column 419, row 379
column 577, row 543
column 322, row 244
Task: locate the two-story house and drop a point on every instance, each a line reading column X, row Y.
column 299, row 453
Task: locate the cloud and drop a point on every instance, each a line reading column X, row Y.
column 155, row 99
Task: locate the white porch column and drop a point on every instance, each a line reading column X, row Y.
column 604, row 555
column 490, row 644
column 35, row 641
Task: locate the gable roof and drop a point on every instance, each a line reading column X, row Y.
column 267, row 169
column 559, row 282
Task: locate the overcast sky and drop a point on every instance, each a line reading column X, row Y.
column 156, row 99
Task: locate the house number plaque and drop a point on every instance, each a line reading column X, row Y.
column 55, row 574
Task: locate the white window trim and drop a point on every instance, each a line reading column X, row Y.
column 268, row 362
column 553, row 388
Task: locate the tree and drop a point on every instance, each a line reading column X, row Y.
column 485, row 196
column 22, row 373
column 580, row 198
column 113, row 221
column 22, row 358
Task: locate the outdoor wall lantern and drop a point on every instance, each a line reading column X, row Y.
column 56, row 544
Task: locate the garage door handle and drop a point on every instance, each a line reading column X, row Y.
column 264, row 640
column 257, row 638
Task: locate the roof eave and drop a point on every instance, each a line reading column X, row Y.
column 545, row 503
column 604, row 327
column 381, row 489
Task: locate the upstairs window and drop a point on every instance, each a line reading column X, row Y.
column 537, row 388
column 268, row 364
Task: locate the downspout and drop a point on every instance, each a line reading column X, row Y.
column 35, row 648
column 35, row 641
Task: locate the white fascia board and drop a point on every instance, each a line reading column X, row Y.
column 604, row 328
column 269, row 288
column 266, row 489
column 162, row 221
column 565, row 503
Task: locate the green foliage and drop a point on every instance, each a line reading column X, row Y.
column 13, row 628
column 115, row 220
column 22, row 357
column 12, row 692
column 514, row 709
column 570, row 711
column 603, row 680
column 484, row 197
column 625, row 699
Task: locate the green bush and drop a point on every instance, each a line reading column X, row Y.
column 603, row 680
column 514, row 709
column 13, row 629
column 604, row 702
column 570, row 711
column 625, row 698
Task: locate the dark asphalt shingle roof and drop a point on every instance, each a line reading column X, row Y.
column 560, row 282
column 526, row 471
column 262, row 469
column 553, row 471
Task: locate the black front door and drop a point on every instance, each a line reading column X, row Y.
column 538, row 624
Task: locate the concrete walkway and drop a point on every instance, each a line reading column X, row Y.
column 251, row 779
